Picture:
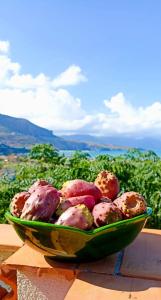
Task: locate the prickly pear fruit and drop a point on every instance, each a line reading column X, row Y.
column 106, row 213
column 108, row 184
column 18, row 202
column 80, row 187
column 41, row 204
column 131, row 204
column 38, row 183
column 77, row 216
column 87, row 200
column 63, row 206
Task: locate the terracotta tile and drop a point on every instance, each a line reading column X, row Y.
column 105, row 266
column 9, row 239
column 143, row 257
column 90, row 286
column 27, row 257
column 4, row 255
column 154, row 231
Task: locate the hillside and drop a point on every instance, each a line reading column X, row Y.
column 20, row 133
column 148, row 143
column 7, row 150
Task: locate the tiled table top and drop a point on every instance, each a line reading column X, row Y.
column 134, row 275
column 90, row 286
column 9, row 240
column 143, row 257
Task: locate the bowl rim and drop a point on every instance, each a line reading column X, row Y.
column 42, row 224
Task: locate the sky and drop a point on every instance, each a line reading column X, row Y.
column 85, row 66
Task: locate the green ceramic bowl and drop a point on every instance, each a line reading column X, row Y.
column 72, row 244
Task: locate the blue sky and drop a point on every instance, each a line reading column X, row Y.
column 114, row 45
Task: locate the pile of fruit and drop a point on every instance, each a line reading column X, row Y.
column 79, row 203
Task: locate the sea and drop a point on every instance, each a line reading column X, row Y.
column 94, row 153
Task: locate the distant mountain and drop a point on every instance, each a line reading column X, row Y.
column 18, row 135
column 7, row 150
column 21, row 133
column 147, row 143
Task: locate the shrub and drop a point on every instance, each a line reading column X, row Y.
column 136, row 171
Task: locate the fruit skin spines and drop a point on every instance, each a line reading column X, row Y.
column 131, row 204
column 108, row 184
column 78, row 187
column 77, row 216
column 106, row 213
column 41, row 204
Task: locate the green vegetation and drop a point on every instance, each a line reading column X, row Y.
column 136, row 171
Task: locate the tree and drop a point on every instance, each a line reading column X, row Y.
column 44, row 152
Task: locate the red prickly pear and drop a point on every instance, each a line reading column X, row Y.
column 77, row 216
column 108, row 184
column 37, row 184
column 78, row 187
column 41, row 204
column 131, row 204
column 18, row 202
column 87, row 200
column 106, row 213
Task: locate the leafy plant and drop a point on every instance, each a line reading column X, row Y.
column 136, row 171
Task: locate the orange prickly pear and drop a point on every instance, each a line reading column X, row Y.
column 18, row 202
column 108, row 184
column 131, row 204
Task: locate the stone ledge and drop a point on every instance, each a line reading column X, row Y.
column 142, row 259
column 140, row 270
column 88, row 286
column 28, row 258
column 9, row 240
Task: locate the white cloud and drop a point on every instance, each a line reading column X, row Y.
column 41, row 99
column 72, row 76
column 123, row 118
column 46, row 102
column 7, row 69
column 54, row 109
column 27, row 81
column 4, row 46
